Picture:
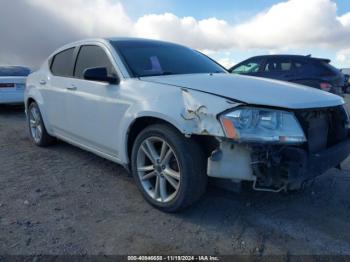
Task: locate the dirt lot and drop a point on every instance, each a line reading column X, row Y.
column 62, row 200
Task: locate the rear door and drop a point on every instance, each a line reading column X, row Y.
column 54, row 90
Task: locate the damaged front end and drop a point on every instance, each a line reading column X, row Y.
column 280, row 150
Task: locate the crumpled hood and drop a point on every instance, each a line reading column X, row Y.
column 253, row 90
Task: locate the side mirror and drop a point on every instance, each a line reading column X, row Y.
column 99, row 74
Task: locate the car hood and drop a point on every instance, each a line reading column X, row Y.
column 252, row 90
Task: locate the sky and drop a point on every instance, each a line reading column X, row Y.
column 227, row 30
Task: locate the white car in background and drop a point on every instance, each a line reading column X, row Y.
column 12, row 83
column 174, row 117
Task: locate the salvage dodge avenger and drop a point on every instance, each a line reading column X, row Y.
column 174, row 117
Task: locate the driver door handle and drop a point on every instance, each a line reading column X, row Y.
column 71, row 88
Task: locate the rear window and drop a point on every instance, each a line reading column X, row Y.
column 278, row 64
column 330, row 68
column 325, row 68
column 299, row 64
column 14, row 71
column 63, row 63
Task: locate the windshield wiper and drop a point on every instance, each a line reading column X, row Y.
column 218, row 72
column 159, row 74
column 167, row 73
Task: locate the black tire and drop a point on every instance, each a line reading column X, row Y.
column 192, row 165
column 45, row 138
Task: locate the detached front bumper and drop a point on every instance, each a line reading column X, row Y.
column 274, row 168
column 321, row 162
column 301, row 166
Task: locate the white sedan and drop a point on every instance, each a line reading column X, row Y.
column 174, row 117
column 12, row 82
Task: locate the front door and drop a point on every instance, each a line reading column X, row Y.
column 93, row 108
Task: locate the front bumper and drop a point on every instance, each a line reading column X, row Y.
column 274, row 168
column 321, row 162
column 302, row 166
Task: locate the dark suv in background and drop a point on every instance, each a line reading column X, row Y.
column 305, row 70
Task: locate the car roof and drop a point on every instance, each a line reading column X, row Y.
column 293, row 56
column 132, row 40
column 110, row 39
column 13, row 67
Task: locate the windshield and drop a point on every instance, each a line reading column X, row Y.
column 247, row 67
column 14, row 71
column 150, row 58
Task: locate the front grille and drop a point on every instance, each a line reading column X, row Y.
column 323, row 127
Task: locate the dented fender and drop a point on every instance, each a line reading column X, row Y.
column 200, row 111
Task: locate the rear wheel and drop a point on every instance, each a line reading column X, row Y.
column 37, row 128
column 169, row 169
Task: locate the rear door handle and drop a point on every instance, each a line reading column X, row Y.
column 42, row 82
column 71, row 88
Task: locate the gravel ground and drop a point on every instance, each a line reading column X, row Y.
column 63, row 200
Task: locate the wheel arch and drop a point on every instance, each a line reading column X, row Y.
column 38, row 101
column 140, row 124
column 29, row 101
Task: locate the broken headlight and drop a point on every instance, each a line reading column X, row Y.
column 249, row 124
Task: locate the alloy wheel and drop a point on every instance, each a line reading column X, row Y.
column 35, row 123
column 158, row 169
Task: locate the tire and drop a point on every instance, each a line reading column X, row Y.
column 183, row 161
column 37, row 130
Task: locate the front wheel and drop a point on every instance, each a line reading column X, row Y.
column 169, row 169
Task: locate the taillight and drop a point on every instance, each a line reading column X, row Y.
column 325, row 87
column 6, row 85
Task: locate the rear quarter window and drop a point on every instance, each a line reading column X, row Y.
column 325, row 69
column 63, row 63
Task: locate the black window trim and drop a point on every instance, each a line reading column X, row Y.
column 75, row 58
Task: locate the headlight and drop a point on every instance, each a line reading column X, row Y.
column 248, row 124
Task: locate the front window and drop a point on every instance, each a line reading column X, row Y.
column 91, row 56
column 150, row 58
